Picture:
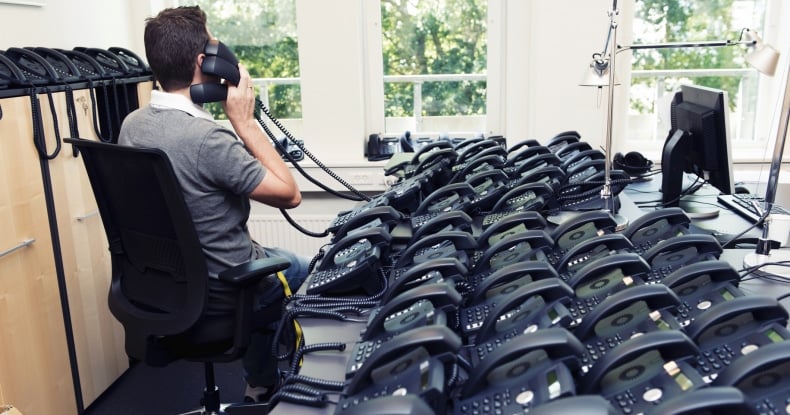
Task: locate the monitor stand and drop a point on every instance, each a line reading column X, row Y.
column 697, row 210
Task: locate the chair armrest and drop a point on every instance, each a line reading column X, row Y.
column 253, row 271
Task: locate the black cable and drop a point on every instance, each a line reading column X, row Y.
column 301, row 229
column 307, row 153
column 738, row 236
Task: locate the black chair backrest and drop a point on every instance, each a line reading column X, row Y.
column 159, row 281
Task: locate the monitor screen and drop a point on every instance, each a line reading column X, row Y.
column 698, row 142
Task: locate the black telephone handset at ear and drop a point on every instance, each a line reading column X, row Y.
column 647, row 368
column 657, row 225
column 428, row 272
column 591, row 249
column 34, row 69
column 221, row 62
column 763, row 376
column 671, row 254
column 631, row 312
column 433, row 340
column 717, row 400
column 703, row 285
column 420, row 306
column 536, row 305
column 531, row 371
column 352, row 264
column 65, row 68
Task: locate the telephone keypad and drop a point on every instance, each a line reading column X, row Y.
column 713, row 361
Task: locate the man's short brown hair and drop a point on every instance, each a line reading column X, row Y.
column 173, row 39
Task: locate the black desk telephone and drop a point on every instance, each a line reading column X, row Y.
column 641, row 372
column 701, row 286
column 418, row 361
column 351, row 264
column 763, row 376
column 522, row 375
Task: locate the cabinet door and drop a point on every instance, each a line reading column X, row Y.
column 98, row 337
column 35, row 373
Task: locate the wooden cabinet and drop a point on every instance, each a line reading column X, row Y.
column 61, row 347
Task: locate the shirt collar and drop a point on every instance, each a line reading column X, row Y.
column 161, row 99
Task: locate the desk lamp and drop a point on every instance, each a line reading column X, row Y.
column 763, row 257
column 602, row 73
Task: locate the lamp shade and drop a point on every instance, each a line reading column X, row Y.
column 597, row 74
column 763, row 57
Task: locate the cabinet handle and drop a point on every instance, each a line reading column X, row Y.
column 21, row 245
column 87, row 215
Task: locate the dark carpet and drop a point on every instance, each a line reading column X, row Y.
column 170, row 390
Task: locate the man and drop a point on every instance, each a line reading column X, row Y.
column 218, row 172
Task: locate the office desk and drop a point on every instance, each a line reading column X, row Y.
column 330, row 365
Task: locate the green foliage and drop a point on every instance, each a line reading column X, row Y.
column 687, row 20
column 262, row 35
column 434, row 37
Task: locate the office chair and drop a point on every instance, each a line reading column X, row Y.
column 160, row 288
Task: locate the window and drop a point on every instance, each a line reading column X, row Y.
column 658, row 73
column 434, row 62
column 262, row 34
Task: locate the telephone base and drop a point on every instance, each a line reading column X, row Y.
column 754, row 259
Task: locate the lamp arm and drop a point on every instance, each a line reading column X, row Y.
column 681, row 45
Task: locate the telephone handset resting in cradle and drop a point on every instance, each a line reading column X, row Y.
column 522, row 375
column 763, row 376
column 221, row 62
column 352, row 264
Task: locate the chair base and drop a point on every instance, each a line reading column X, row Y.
column 259, row 408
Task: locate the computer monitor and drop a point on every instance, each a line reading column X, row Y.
column 698, row 143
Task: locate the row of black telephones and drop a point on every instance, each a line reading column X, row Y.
column 514, row 313
column 41, row 66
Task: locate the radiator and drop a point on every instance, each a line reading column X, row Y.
column 275, row 231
